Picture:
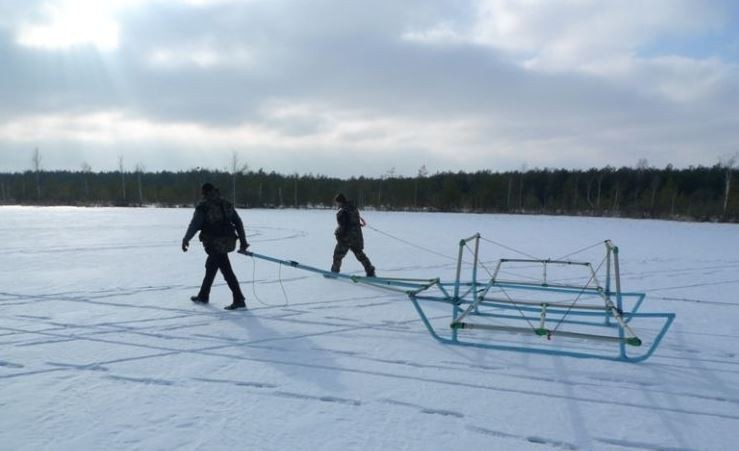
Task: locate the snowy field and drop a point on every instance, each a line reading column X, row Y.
column 101, row 348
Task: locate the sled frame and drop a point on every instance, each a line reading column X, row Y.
column 475, row 299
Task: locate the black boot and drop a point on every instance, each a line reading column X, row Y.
column 237, row 304
column 366, row 263
column 336, row 266
column 199, row 299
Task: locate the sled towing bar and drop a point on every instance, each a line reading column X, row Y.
column 407, row 286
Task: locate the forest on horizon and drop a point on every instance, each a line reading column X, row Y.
column 697, row 193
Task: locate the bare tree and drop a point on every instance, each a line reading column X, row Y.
column 653, row 198
column 587, row 192
column 510, row 188
column 728, row 164
column 237, row 168
column 36, row 162
column 379, row 193
column 139, row 172
column 422, row 173
column 86, row 169
column 642, row 166
column 295, row 192
column 123, row 176
column 575, row 186
column 616, row 190
column 389, row 174
column 524, row 168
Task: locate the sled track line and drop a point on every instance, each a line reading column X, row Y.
column 151, row 331
column 322, row 323
column 211, row 351
column 220, row 315
column 254, row 231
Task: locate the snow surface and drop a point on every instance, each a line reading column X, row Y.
column 102, row 349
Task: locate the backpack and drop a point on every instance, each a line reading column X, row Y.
column 218, row 233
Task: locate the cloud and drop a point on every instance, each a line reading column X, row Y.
column 70, row 23
column 565, row 34
column 319, row 86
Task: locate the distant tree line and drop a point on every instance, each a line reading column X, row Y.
column 695, row 193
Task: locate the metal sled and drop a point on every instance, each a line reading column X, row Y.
column 555, row 315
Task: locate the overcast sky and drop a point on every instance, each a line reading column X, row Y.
column 348, row 88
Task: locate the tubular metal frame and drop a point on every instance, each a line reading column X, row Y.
column 469, row 299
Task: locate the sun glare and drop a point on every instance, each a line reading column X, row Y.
column 69, row 23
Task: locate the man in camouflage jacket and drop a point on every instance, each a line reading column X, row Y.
column 219, row 224
column 349, row 236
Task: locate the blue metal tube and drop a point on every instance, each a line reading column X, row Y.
column 378, row 281
column 474, row 269
column 535, row 286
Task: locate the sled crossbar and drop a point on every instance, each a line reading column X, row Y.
column 549, row 261
column 633, row 341
column 554, row 305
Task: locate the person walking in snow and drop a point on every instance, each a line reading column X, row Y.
column 349, row 235
column 218, row 224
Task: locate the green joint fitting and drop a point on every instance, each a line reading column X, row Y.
column 542, row 332
column 633, row 341
column 615, row 249
column 457, row 326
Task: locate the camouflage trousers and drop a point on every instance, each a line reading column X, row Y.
column 342, row 247
column 213, row 264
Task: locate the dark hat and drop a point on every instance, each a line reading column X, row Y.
column 207, row 188
column 340, row 198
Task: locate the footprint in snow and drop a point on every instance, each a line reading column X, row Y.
column 10, row 365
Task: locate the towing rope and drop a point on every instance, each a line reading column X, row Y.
column 510, row 248
column 410, row 243
column 254, row 290
column 587, row 248
column 520, row 252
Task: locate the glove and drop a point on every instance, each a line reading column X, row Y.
column 242, row 248
column 185, row 245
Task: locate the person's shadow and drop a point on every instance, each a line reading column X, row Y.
column 295, row 355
